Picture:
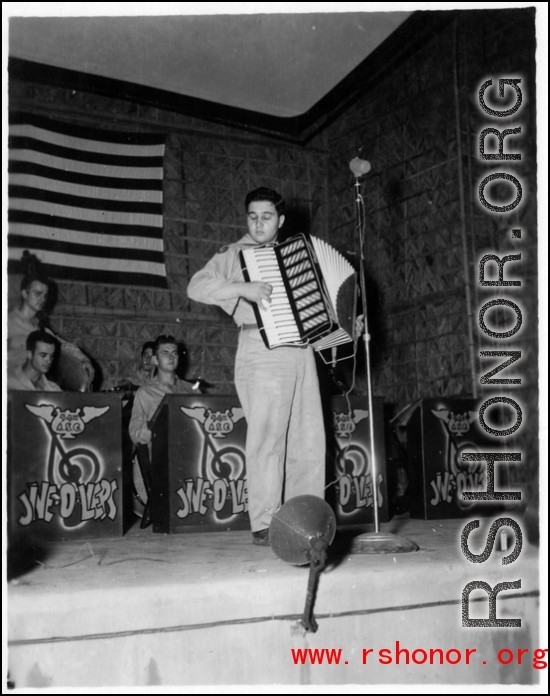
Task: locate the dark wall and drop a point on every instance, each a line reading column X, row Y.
column 424, row 228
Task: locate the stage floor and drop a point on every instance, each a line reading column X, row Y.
column 211, row 608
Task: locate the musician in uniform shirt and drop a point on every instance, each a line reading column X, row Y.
column 27, row 318
column 146, row 370
column 148, row 396
column 31, row 376
column 278, row 389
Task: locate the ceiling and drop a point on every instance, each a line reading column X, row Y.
column 275, row 64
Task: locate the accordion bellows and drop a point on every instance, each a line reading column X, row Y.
column 314, row 292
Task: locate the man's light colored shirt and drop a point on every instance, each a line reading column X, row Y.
column 19, row 327
column 19, row 381
column 223, row 269
column 140, row 377
column 146, row 402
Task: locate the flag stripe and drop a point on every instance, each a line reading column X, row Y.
column 18, row 143
column 86, row 250
column 21, row 167
column 97, row 216
column 18, row 216
column 115, row 194
column 27, row 131
column 86, row 167
column 86, row 274
column 64, row 199
column 79, row 237
column 71, row 130
column 87, row 203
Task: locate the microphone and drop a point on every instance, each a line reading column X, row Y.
column 359, row 167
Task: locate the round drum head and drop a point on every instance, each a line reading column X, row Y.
column 69, row 373
column 296, row 522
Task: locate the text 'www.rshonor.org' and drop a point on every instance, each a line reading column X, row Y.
column 419, row 656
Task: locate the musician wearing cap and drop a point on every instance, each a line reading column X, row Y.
column 27, row 318
column 31, row 376
column 278, row 388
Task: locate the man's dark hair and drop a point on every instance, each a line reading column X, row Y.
column 40, row 337
column 30, row 278
column 146, row 346
column 266, row 194
column 161, row 340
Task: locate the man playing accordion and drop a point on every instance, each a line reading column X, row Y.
column 278, row 389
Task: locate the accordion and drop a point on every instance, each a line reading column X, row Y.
column 314, row 292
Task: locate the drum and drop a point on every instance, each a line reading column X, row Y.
column 69, row 373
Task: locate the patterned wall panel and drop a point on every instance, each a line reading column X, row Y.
column 421, row 235
column 507, row 49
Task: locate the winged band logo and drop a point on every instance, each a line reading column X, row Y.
column 345, row 423
column 456, row 423
column 217, row 423
column 65, row 423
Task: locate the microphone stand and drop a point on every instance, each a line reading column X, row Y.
column 377, row 541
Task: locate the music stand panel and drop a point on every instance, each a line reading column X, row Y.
column 198, row 465
column 439, row 431
column 349, row 461
column 66, row 477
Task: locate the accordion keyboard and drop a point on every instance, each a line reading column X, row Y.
column 277, row 318
column 302, row 309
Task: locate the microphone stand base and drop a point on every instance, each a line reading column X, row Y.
column 382, row 542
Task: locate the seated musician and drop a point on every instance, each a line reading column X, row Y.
column 165, row 358
column 27, row 318
column 144, row 373
column 31, row 376
column 148, row 397
column 278, row 389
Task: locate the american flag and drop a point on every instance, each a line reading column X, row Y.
column 87, row 203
